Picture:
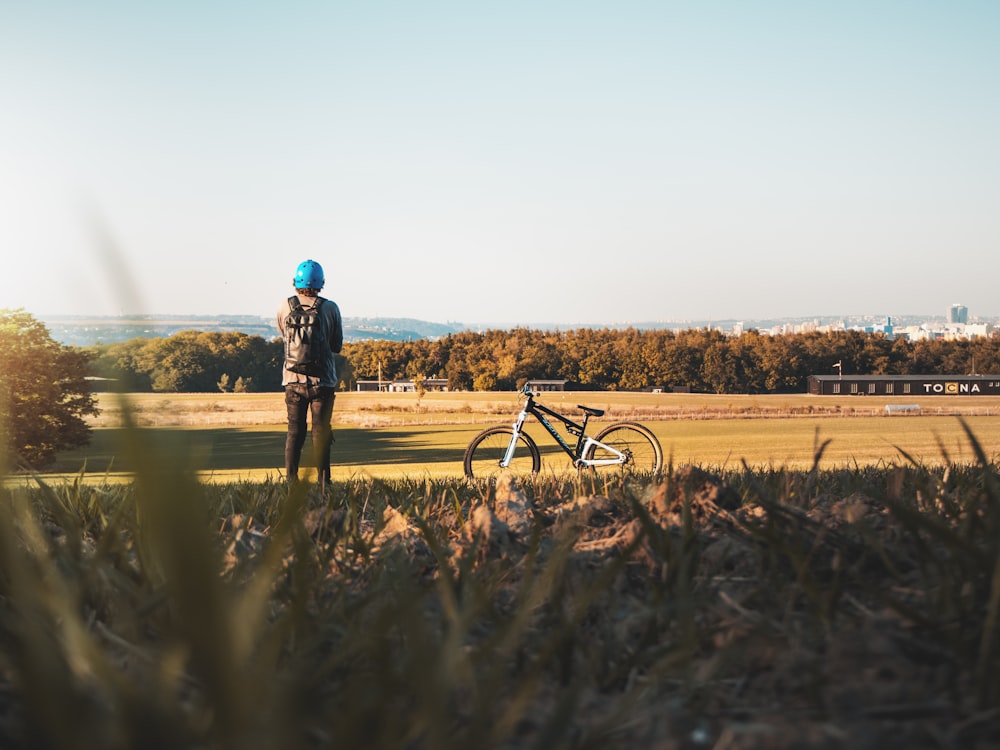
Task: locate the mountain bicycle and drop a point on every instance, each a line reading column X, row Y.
column 624, row 446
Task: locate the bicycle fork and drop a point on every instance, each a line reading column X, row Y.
column 516, row 427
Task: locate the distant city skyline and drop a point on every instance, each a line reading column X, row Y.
column 89, row 330
column 954, row 313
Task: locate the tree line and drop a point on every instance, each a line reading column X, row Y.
column 699, row 360
column 191, row 362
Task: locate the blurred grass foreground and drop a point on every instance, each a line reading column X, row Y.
column 753, row 608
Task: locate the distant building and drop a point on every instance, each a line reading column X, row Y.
column 401, row 386
column 885, row 328
column 372, row 385
column 410, row 386
column 904, row 385
column 958, row 314
column 547, row 385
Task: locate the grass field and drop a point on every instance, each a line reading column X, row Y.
column 241, row 436
column 738, row 608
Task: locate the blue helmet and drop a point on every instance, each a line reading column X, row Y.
column 309, row 275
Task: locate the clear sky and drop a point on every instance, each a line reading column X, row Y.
column 502, row 162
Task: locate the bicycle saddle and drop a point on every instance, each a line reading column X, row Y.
column 591, row 412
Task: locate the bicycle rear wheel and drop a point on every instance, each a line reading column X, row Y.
column 487, row 449
column 643, row 454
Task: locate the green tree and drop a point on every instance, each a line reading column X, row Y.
column 190, row 361
column 43, row 390
column 120, row 362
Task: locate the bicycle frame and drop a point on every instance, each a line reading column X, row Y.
column 583, row 442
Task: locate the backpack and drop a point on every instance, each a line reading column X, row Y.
column 304, row 339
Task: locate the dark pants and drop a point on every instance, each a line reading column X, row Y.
column 317, row 401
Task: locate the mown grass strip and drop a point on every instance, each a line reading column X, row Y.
column 256, row 451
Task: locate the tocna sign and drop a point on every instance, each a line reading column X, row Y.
column 951, row 388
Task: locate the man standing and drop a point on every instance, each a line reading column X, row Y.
column 313, row 332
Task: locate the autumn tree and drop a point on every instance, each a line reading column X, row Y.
column 44, row 396
column 458, row 370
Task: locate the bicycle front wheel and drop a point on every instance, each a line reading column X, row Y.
column 487, row 449
column 643, row 454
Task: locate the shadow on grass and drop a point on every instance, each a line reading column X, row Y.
column 233, row 448
column 416, row 445
column 217, row 448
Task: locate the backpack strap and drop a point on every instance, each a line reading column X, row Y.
column 294, row 304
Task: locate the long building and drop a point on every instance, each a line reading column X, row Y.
column 904, row 385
